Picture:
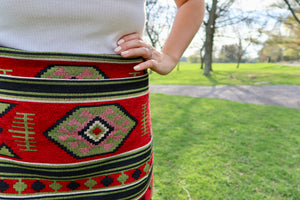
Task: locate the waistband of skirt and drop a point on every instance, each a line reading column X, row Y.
column 50, row 76
column 37, row 55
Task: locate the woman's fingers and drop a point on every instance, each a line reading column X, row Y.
column 129, row 45
column 137, row 52
column 149, row 64
column 134, row 48
column 126, row 38
column 133, row 45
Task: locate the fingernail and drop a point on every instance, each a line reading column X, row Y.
column 124, row 53
column 136, row 67
column 118, row 49
column 121, row 41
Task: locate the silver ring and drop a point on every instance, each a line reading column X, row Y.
column 151, row 52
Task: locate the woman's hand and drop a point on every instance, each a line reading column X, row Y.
column 132, row 45
column 189, row 17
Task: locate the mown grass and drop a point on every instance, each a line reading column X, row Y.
column 218, row 149
column 227, row 74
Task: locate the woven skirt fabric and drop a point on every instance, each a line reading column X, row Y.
column 73, row 126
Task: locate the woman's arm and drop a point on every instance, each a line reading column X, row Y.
column 187, row 21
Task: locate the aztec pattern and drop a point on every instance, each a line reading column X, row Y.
column 74, row 126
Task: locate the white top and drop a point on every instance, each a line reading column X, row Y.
column 74, row 26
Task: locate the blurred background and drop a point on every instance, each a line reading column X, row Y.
column 234, row 31
column 226, row 121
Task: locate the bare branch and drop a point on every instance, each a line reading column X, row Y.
column 298, row 2
column 292, row 10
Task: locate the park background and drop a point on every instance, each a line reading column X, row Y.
column 219, row 149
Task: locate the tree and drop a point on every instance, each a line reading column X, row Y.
column 151, row 28
column 286, row 7
column 229, row 53
column 242, row 48
column 232, row 53
column 240, row 53
column 210, row 29
column 194, row 58
column 293, row 6
column 202, row 55
column 220, row 15
column 157, row 23
column 289, row 42
column 270, row 52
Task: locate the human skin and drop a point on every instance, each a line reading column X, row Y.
column 188, row 19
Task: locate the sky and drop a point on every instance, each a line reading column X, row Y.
column 255, row 4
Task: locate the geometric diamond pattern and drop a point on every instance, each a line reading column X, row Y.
column 90, row 183
column 55, row 186
column 26, row 186
column 136, row 174
column 147, row 168
column 88, row 131
column 72, row 72
column 73, row 185
column 20, row 186
column 107, row 181
column 38, row 186
column 123, row 178
column 3, row 186
column 96, row 130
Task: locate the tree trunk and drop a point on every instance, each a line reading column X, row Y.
column 202, row 56
column 202, row 62
column 239, row 61
column 209, row 40
column 208, row 53
column 240, row 53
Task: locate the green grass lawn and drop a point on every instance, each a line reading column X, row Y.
column 227, row 74
column 218, row 149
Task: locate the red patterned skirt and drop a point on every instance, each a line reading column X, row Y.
column 73, row 126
